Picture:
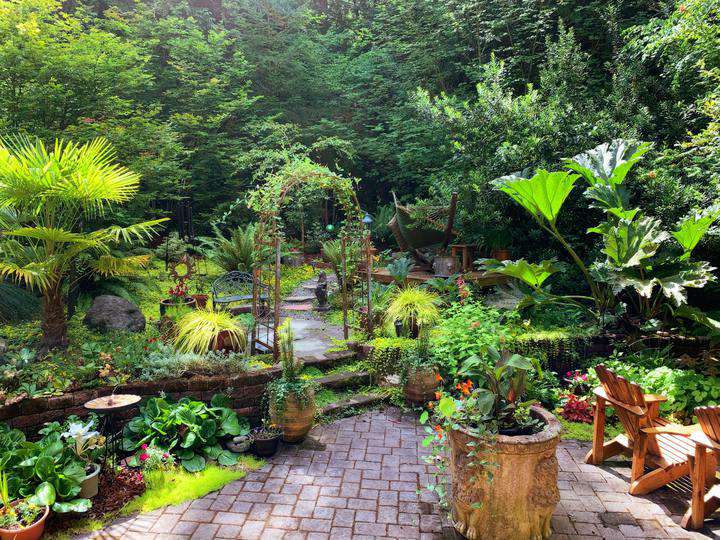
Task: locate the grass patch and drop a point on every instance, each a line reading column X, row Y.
column 167, row 488
column 580, row 431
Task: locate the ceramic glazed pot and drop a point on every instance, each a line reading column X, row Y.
column 33, row 532
column 266, row 447
column 296, row 419
column 89, row 486
column 421, row 386
column 518, row 502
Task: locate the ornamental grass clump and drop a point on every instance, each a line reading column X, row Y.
column 413, row 309
column 203, row 330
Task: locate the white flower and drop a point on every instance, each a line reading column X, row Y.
column 80, row 432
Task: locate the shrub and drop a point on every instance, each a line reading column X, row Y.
column 236, row 252
column 189, row 429
column 414, row 308
column 388, row 354
column 167, row 363
column 465, row 330
column 172, row 249
column 200, row 330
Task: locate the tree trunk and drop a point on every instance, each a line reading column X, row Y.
column 54, row 321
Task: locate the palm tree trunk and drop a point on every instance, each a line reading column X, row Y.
column 54, row 321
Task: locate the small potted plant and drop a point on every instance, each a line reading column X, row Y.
column 20, row 519
column 265, row 439
column 204, row 330
column 179, row 295
column 419, row 374
column 412, row 308
column 502, row 463
column 292, row 399
column 86, row 443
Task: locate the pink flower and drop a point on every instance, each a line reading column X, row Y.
column 144, row 446
column 584, row 377
column 166, row 455
column 568, row 374
column 144, row 457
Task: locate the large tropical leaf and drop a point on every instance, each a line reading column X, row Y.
column 692, row 228
column 630, row 242
column 542, row 195
column 608, row 163
column 49, row 234
column 530, row 273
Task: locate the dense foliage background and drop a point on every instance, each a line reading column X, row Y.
column 204, row 97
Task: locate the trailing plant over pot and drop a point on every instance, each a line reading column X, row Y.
column 292, row 399
column 501, row 451
column 203, row 330
column 20, row 520
column 191, row 430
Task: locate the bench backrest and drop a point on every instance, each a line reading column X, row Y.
column 709, row 420
column 233, row 283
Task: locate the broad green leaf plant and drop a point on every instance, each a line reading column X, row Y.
column 645, row 266
column 51, row 199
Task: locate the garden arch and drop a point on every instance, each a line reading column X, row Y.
column 268, row 201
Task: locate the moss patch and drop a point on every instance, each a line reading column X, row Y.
column 580, row 431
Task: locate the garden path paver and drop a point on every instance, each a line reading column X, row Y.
column 358, row 478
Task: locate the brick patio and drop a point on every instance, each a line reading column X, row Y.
column 358, row 478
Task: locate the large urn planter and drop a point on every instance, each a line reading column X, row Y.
column 297, row 418
column 420, row 386
column 169, row 302
column 31, row 532
column 518, row 502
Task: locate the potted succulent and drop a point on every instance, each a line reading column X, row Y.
column 503, row 469
column 419, row 374
column 292, row 399
column 265, row 439
column 20, row 519
column 86, row 443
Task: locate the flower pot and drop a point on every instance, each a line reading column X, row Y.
column 518, row 502
column 225, row 342
column 266, row 447
column 296, row 420
column 33, row 532
column 89, row 486
column 421, row 386
column 189, row 301
column 501, row 254
column 200, row 300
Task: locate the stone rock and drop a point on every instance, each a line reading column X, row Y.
column 114, row 313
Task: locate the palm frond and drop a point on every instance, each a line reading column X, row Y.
column 107, row 265
column 139, row 231
column 50, row 234
column 35, row 275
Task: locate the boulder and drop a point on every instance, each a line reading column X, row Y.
column 114, row 313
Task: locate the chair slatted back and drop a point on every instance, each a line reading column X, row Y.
column 709, row 420
column 630, row 394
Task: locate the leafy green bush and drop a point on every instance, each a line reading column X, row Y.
column 684, row 388
column 172, row 249
column 465, row 330
column 48, row 471
column 166, row 363
column 189, row 429
column 236, row 252
column 388, row 354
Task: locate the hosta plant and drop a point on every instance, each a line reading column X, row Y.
column 189, row 429
column 644, row 266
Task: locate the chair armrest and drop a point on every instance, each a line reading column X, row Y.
column 672, row 429
column 655, row 398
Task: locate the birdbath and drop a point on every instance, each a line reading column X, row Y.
column 108, row 407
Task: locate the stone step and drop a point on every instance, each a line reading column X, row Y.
column 358, row 400
column 330, row 360
column 346, row 379
column 299, row 299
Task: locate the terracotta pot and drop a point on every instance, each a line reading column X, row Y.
column 200, row 300
column 89, row 487
column 421, row 386
column 501, row 254
column 225, row 342
column 33, row 532
column 518, row 502
column 168, row 302
column 296, row 420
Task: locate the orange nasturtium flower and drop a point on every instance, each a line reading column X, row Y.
column 431, row 404
column 438, row 378
column 438, row 395
column 465, row 387
column 439, row 431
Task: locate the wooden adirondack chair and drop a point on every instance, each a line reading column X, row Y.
column 706, row 437
column 654, row 442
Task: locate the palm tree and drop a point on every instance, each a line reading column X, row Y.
column 48, row 198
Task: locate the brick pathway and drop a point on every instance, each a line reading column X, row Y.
column 357, row 478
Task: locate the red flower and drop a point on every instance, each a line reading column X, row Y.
column 439, row 431
column 438, row 395
column 438, row 378
column 166, row 455
column 144, row 446
column 144, row 457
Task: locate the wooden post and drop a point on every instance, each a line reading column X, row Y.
column 697, row 474
column 598, row 432
column 343, row 272
column 368, row 267
column 278, row 256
